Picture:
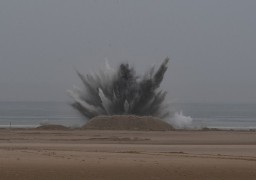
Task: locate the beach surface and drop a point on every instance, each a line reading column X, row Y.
column 30, row 154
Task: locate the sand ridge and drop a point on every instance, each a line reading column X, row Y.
column 128, row 122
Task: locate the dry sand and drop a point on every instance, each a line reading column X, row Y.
column 109, row 155
column 127, row 122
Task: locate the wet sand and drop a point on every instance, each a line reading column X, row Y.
column 94, row 155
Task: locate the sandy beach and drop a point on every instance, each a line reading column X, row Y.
column 27, row 154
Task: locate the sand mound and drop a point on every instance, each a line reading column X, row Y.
column 127, row 122
column 52, row 127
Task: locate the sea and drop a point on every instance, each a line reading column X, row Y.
column 204, row 115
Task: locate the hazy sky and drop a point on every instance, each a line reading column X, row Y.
column 211, row 43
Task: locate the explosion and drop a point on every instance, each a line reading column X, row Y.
column 122, row 92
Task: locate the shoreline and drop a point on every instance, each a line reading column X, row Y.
column 34, row 127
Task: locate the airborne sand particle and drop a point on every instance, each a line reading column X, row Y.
column 122, row 91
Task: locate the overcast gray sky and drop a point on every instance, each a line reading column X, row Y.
column 211, row 43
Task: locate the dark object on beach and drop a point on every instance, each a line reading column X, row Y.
column 122, row 92
column 52, row 127
column 127, row 122
column 210, row 129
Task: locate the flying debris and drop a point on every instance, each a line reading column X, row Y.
column 121, row 92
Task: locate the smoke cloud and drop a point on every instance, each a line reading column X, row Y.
column 179, row 121
column 122, row 91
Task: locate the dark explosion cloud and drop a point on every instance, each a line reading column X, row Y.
column 122, row 92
